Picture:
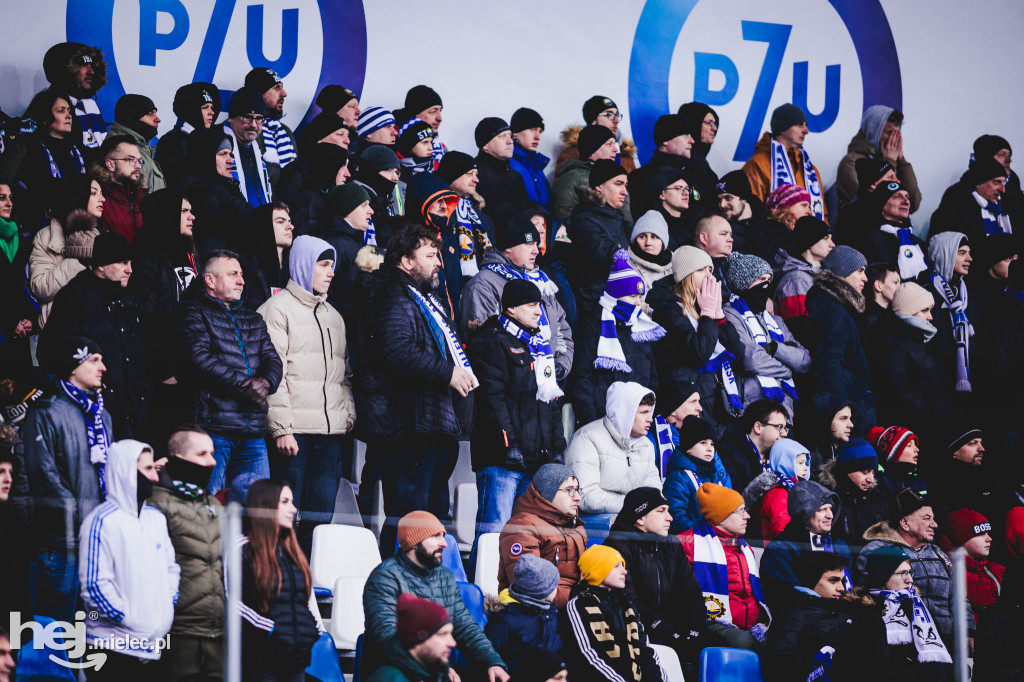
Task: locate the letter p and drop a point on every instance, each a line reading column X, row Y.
column 149, row 40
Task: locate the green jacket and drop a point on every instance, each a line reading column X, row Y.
column 398, row 575
column 406, row 669
column 564, row 196
column 152, row 175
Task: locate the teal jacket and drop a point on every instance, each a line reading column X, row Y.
column 406, row 669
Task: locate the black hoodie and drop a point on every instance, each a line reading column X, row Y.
column 220, row 208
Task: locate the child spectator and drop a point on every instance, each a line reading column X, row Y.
column 768, row 494
column 693, row 463
column 522, row 620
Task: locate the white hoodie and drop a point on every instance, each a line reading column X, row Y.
column 127, row 567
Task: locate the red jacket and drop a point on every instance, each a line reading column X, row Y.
column 984, row 581
column 774, row 512
column 121, row 211
column 746, row 612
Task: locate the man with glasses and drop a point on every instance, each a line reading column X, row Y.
column 672, row 193
column 602, row 111
column 545, row 522
column 245, row 123
column 135, row 117
column 745, row 451
column 702, row 121
column 277, row 141
column 734, row 201
column 674, row 142
column 123, row 190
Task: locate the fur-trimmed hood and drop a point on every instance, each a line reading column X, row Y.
column 883, row 532
column 369, row 259
column 569, row 137
column 858, row 596
column 59, row 67
column 494, row 605
column 839, row 289
column 755, row 491
column 589, row 195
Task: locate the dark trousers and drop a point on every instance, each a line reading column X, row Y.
column 121, row 667
column 415, row 472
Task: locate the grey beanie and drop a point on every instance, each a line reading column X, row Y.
column 534, row 577
column 740, row 270
column 804, row 499
column 652, row 222
column 549, row 477
column 378, row 157
column 787, row 116
column 844, row 261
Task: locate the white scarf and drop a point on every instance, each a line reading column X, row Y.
column 721, row 362
column 782, row 174
column 910, row 258
column 432, row 307
column 644, row 330
column 919, row 629
column 993, row 215
column 963, row 330
column 264, row 174
column 543, row 360
column 761, row 327
column 712, row 573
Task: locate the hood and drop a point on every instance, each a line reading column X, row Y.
column 161, row 222
column 621, row 403
column 122, row 484
column 202, row 151
column 883, row 532
column 804, row 499
column 189, row 100
column 795, row 264
column 755, row 491
column 571, row 165
column 570, row 136
column 589, row 197
column 839, row 289
column 782, row 459
column 827, row 475
column 59, row 64
column 323, row 161
column 942, row 250
column 423, row 190
column 1015, row 531
column 302, row 257
column 873, row 122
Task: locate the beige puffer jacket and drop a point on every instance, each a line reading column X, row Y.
column 49, row 268
column 315, row 395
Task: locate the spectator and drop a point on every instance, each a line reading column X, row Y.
column 911, row 528
column 378, row 174
column 991, row 270
column 901, row 449
column 127, row 567
column 280, row 618
column 838, row 364
column 197, row 106
column 602, row 111
column 595, row 142
column 950, row 253
column 499, row 183
column 527, row 126
column 676, row 402
column 475, row 230
column 737, row 204
column 221, row 210
column 135, row 118
column 968, row 529
column 971, row 206
column 959, row 481
column 265, row 259
column 80, row 71
column 326, row 168
column 423, row 102
column 326, row 128
column 545, row 522
column 193, row 523
column 870, row 174
column 1001, row 346
column 854, row 476
column 726, row 569
column 522, row 622
column 95, row 304
column 277, row 141
column 518, row 425
column 424, row 631
column 673, row 140
column 780, row 159
column 887, row 236
column 671, row 191
column 313, row 407
column 123, row 185
column 616, row 346
column 785, row 206
column 229, row 367
column 416, row 569
column 662, row 586
column 693, row 463
column 998, row 658
column 768, row 494
column 341, row 102
column 414, row 147
column 834, row 427
column 880, row 136
column 702, row 122
column 746, row 450
column 603, row 635
column 376, row 125
column 246, row 116
column 16, row 322
column 430, row 202
column 998, row 148
column 649, row 253
column 347, row 225
column 612, row 455
column 879, row 290
column 713, row 235
column 812, row 242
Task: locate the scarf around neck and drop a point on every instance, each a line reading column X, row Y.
column 917, row 323
column 910, row 260
column 916, row 628
column 782, row 174
column 55, row 171
column 9, row 238
column 763, row 328
column 643, row 330
column 963, row 330
column 473, row 239
column 543, row 360
column 720, row 363
column 447, row 342
column 95, row 429
column 711, row 569
column 994, row 216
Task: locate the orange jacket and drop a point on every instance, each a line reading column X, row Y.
column 759, row 166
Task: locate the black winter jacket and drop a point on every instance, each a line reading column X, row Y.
column 172, row 155
column 347, row 241
column 518, row 630
column 597, row 231
column 642, row 199
column 499, row 184
column 740, row 458
column 858, row 510
column 959, row 212
column 219, row 348
column 221, row 213
column 508, row 413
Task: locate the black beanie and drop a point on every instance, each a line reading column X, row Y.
column 594, row 106
column 189, row 100
column 131, row 108
column 673, row 394
column 810, row 566
column 987, row 146
column 870, row 171
column 807, row 232
column 668, row 127
column 524, row 119
column 735, row 183
column 454, row 165
column 638, row 503
column 334, row 97
column 996, row 247
column 518, row 230
column 983, row 170
column 324, row 160
column 905, row 503
column 488, row 129
column 379, row 157
column 665, row 176
column 420, row 98
column 67, row 353
column 519, row 292
column 693, row 114
column 590, row 140
column 262, row 79
column 785, row 117
column 411, row 135
column 877, row 199
column 109, row 247
column 693, row 431
column 322, row 125
column 245, row 101
column 603, row 171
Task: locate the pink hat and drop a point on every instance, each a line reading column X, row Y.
column 786, row 196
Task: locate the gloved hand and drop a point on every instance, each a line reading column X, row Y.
column 561, row 373
column 558, row 458
column 771, row 347
column 256, row 389
column 514, row 460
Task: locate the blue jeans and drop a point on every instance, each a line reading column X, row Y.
column 54, row 587
column 314, row 475
column 237, row 456
column 497, row 490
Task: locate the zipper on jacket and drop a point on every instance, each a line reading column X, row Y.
column 323, row 347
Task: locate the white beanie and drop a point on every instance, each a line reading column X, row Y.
column 687, row 260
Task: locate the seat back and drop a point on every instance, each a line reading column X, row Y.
column 722, row 664
column 347, row 619
column 669, row 662
column 346, row 506
column 466, row 503
column 323, row 660
column 488, row 557
column 473, row 598
column 340, row 551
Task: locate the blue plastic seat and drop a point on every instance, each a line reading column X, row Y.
column 722, row 664
column 473, row 598
column 359, row 654
column 35, row 664
column 323, row 660
column 598, row 527
column 450, row 558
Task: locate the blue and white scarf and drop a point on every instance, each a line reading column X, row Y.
column 95, row 429
column 264, row 174
column 94, row 130
column 963, row 330
column 644, row 330
column 761, row 327
column 916, row 628
column 721, row 363
column 55, row 171
column 782, row 174
column 664, row 444
column 543, row 282
column 280, row 149
column 443, row 332
column 437, row 151
column 910, row 260
column 996, row 219
column 370, row 236
column 712, row 573
column 471, row 234
column 543, row 360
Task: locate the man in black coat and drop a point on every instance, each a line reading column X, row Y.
column 972, row 205
column 518, row 423
column 853, row 475
column 746, row 446
column 499, row 184
column 96, row 305
column 660, row 581
column 228, row 366
column 347, row 225
column 735, row 202
column 674, row 141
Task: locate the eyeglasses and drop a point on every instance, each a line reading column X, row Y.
column 711, row 122
column 572, row 491
column 782, row 428
column 906, row 575
column 257, row 119
column 132, row 161
column 682, row 189
column 612, row 115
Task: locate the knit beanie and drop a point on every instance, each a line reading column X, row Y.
column 638, row 503
column 785, row 196
column 687, row 260
column 420, row 98
column 549, row 478
column 372, row 119
column 109, row 247
column 247, row 101
column 856, row 455
column 518, row 230
column 488, row 129
column 603, row 171
column 379, row 158
column 322, row 125
column 673, row 394
column 880, row 563
column 905, row 503
column 534, row 577
column 890, row 442
column 869, row 171
column 876, row 200
column 735, row 183
column 741, row 270
column 717, row 502
column 189, row 100
column 808, row 231
column 785, row 117
column 961, row 436
column 525, row 119
column 133, row 107
column 519, row 292
column 597, row 562
column 964, row 524
column 415, row 527
column 806, row 497
column 652, row 222
column 262, row 79
column 665, row 176
column 64, row 356
column 590, row 140
column 782, row 458
column 333, row 97
column 540, row 666
column 844, row 260
column 416, row 619
column 623, row 280
column 994, row 248
column 344, row 199
column 987, row 146
column 454, row 165
column 412, row 133
column 594, row 106
column 669, row 126
column 983, row 170
column 911, row 298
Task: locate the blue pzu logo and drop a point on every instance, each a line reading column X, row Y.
column 832, row 59
column 152, row 47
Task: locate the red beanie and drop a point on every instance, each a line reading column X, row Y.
column 964, row 524
column 890, row 441
column 418, row 619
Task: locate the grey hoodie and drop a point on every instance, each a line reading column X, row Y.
column 805, row 497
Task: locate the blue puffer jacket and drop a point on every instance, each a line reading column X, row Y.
column 531, row 166
column 680, row 491
column 518, row 630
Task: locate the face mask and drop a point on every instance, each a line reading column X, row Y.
column 144, row 488
column 188, row 472
column 757, row 297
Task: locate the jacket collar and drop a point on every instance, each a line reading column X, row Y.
column 306, row 298
column 485, row 159
column 531, row 502
column 412, row 567
column 530, row 158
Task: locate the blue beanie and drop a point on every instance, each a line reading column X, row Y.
column 856, row 455
column 782, row 459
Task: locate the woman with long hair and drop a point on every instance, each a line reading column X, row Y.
column 279, row 613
